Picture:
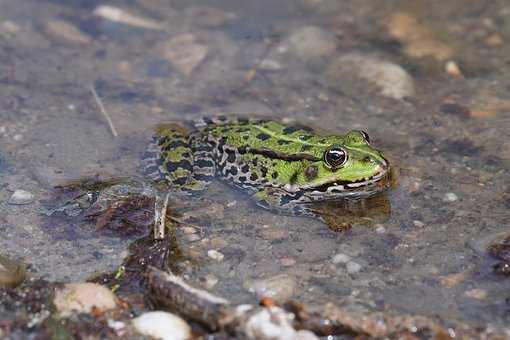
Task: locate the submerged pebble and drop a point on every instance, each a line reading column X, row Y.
column 275, row 233
column 476, row 293
column 83, row 297
column 341, row 258
column 66, row 31
column 184, row 52
column 379, row 228
column 353, row 267
column 162, row 325
column 450, row 197
column 418, row 39
column 391, row 79
column 280, row 287
column 12, row 273
column 209, row 281
column 207, row 16
column 311, row 42
column 287, row 261
column 20, row 197
column 117, row 14
column 215, row 255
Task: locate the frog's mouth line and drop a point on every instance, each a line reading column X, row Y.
column 370, row 184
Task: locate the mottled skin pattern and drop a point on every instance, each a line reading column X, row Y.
column 282, row 167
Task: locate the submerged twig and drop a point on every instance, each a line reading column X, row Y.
column 160, row 208
column 103, row 111
column 169, row 291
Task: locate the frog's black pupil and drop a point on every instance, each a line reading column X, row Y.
column 335, row 157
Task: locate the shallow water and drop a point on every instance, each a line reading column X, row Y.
column 428, row 81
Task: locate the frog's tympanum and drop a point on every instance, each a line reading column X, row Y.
column 284, row 168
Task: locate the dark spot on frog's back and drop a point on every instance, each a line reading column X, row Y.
column 263, row 136
column 233, row 170
column 221, row 143
column 245, row 168
column 283, row 142
column 204, row 163
column 274, row 175
column 183, row 164
column 305, row 148
column 263, row 171
column 231, row 156
column 291, row 129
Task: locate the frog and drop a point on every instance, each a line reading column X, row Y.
column 284, row 168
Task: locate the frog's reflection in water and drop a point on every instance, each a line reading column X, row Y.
column 342, row 215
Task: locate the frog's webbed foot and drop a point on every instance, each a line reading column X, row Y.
column 283, row 202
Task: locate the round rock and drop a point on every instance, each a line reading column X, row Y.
column 390, row 79
column 280, row 287
column 311, row 42
column 82, row 297
column 20, row 197
column 162, row 325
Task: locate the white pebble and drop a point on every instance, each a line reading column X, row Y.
column 341, row 258
column 21, row 197
column 353, row 267
column 215, row 255
column 82, row 297
column 379, row 228
column 418, row 224
column 274, row 323
column 116, row 325
column 450, row 197
column 162, row 325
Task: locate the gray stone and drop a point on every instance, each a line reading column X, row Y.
column 20, row 197
column 311, row 42
column 390, row 79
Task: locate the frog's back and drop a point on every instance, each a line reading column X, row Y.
column 265, row 134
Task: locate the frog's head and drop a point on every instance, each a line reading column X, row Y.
column 349, row 167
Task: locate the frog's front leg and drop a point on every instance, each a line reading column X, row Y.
column 284, row 202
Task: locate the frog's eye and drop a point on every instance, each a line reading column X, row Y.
column 335, row 157
column 365, row 135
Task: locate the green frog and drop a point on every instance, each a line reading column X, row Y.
column 284, row 168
